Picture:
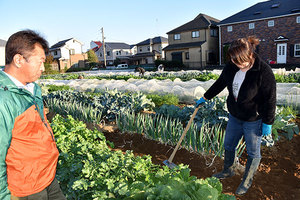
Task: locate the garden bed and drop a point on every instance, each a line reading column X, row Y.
column 278, row 175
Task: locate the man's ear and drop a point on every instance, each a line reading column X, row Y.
column 18, row 60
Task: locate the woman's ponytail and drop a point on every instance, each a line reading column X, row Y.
column 254, row 41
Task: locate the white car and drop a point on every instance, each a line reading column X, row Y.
column 122, row 66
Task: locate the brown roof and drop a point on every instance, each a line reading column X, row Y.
column 202, row 21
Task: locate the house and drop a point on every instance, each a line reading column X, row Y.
column 2, row 52
column 195, row 43
column 276, row 23
column 150, row 50
column 95, row 45
column 68, row 53
column 114, row 50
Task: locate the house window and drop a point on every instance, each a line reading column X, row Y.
column 141, row 49
column 270, row 23
column 251, row 26
column 148, row 48
column 120, row 52
column 177, row 37
column 297, row 50
column 298, row 19
column 187, row 55
column 108, row 53
column 72, row 51
column 100, row 54
column 195, row 34
column 229, row 28
column 213, row 32
column 55, row 53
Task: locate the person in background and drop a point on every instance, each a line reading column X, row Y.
column 251, row 104
column 140, row 70
column 28, row 152
column 160, row 68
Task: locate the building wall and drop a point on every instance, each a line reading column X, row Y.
column 113, row 54
column 144, row 48
column 133, row 50
column 73, row 44
column 186, row 37
column 2, row 56
column 267, row 49
column 197, row 55
column 120, row 52
column 73, row 62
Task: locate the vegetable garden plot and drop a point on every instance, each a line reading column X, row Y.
column 88, row 169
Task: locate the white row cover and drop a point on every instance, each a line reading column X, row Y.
column 287, row 93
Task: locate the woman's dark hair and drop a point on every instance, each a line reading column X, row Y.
column 23, row 42
column 242, row 50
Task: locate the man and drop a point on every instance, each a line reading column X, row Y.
column 140, row 70
column 28, row 152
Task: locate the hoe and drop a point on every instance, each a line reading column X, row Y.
column 169, row 161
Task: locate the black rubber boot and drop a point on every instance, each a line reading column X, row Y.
column 228, row 169
column 251, row 167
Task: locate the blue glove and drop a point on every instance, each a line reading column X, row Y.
column 266, row 129
column 200, row 101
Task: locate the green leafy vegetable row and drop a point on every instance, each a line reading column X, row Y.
column 89, row 169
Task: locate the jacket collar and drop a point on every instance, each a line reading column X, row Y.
column 7, row 84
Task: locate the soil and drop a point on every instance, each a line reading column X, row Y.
column 277, row 178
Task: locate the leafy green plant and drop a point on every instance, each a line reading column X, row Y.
column 159, row 100
column 290, row 78
column 214, row 112
column 53, row 88
column 285, row 122
column 89, row 169
column 96, row 107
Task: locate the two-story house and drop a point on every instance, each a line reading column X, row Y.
column 276, row 23
column 195, row 43
column 114, row 50
column 68, row 53
column 150, row 50
column 2, row 52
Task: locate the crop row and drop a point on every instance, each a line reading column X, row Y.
column 184, row 76
column 89, row 169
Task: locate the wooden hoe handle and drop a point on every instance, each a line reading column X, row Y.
column 183, row 135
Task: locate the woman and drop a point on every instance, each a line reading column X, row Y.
column 251, row 104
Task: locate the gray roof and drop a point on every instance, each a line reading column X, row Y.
column 117, row 45
column 267, row 9
column 183, row 45
column 155, row 40
column 60, row 44
column 202, row 21
column 2, row 43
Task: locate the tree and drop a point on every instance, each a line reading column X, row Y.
column 92, row 58
column 49, row 59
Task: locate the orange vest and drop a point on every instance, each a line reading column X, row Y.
column 32, row 156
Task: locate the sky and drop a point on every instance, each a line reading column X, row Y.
column 128, row 21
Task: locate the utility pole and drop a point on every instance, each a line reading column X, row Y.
column 103, row 44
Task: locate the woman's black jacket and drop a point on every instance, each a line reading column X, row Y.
column 257, row 95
